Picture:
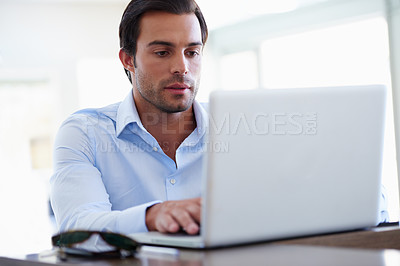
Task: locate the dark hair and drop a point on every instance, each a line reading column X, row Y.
column 129, row 28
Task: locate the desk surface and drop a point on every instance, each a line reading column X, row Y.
column 376, row 238
column 372, row 247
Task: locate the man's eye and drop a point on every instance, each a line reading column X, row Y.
column 162, row 53
column 192, row 53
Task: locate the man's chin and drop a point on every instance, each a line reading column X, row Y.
column 176, row 104
column 175, row 109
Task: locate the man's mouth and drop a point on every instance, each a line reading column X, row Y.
column 177, row 88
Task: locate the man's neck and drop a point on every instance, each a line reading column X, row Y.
column 169, row 129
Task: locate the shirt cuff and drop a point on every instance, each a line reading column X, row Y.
column 133, row 220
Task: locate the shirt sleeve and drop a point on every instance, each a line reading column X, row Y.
column 78, row 196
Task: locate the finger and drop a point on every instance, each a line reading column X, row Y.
column 195, row 212
column 192, row 229
column 167, row 224
column 185, row 220
column 198, row 200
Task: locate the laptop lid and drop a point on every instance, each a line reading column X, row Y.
column 292, row 162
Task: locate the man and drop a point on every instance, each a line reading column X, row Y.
column 136, row 165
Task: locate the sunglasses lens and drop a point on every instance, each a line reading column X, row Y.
column 66, row 239
column 119, row 241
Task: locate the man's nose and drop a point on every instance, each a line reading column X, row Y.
column 179, row 65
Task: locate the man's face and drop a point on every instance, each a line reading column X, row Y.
column 168, row 61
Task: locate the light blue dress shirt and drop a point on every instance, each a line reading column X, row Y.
column 108, row 169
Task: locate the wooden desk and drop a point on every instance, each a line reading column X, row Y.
column 376, row 238
column 375, row 247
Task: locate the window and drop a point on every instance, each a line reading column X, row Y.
column 354, row 53
column 239, row 71
column 348, row 54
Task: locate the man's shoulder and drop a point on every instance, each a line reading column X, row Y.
column 108, row 113
column 93, row 116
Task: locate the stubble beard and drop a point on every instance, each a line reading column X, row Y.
column 153, row 93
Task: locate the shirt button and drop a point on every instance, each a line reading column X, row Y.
column 172, row 181
column 155, row 149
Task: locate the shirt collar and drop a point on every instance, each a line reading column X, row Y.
column 201, row 116
column 127, row 114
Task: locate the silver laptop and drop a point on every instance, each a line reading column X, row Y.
column 288, row 163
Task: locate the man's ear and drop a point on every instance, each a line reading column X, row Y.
column 127, row 60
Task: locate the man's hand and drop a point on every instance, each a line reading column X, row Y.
column 171, row 216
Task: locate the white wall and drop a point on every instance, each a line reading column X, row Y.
column 49, row 39
column 42, row 45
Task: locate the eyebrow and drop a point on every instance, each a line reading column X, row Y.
column 170, row 44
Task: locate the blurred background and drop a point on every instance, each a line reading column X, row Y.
column 58, row 56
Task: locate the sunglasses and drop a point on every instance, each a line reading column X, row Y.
column 120, row 242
